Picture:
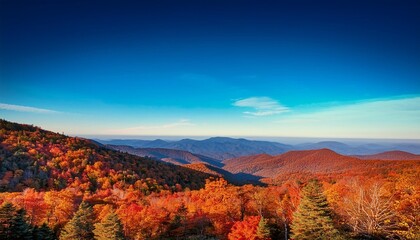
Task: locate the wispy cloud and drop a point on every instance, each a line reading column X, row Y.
column 263, row 106
column 383, row 118
column 20, row 108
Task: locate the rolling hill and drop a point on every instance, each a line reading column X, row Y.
column 323, row 161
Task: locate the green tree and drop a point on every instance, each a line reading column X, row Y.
column 81, row 225
column 312, row 220
column 43, row 233
column 110, row 228
column 14, row 223
column 7, row 212
column 263, row 230
column 20, row 227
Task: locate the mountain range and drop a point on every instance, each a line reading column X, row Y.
column 391, row 155
column 252, row 168
column 33, row 157
column 222, row 148
column 219, row 148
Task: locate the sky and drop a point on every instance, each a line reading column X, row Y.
column 331, row 69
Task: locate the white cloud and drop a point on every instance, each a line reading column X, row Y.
column 20, row 108
column 263, row 106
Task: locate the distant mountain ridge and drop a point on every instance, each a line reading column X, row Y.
column 360, row 149
column 219, row 148
column 222, row 148
column 391, row 155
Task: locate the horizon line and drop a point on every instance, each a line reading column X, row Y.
column 194, row 137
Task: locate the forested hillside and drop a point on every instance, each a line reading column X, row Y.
column 321, row 161
column 43, row 160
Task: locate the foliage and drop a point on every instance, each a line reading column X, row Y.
column 370, row 211
column 43, row 160
column 81, row 225
column 43, row 233
column 263, row 230
column 246, row 229
column 110, row 228
column 14, row 223
column 49, row 175
column 312, row 220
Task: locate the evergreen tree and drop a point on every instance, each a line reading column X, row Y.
column 312, row 220
column 43, row 233
column 7, row 212
column 80, row 227
column 263, row 230
column 20, row 228
column 14, row 223
column 110, row 228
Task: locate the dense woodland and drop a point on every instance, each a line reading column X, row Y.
column 58, row 187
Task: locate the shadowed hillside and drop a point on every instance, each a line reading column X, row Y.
column 173, row 156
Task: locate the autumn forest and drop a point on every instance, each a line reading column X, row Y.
column 59, row 187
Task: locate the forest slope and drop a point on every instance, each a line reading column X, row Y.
column 323, row 161
column 32, row 157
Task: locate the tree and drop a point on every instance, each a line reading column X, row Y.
column 312, row 220
column 109, row 228
column 14, row 223
column 370, row 212
column 7, row 212
column 285, row 212
column 263, row 230
column 247, row 229
column 43, row 233
column 20, row 227
column 81, row 225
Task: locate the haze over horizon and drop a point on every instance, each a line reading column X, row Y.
column 330, row 69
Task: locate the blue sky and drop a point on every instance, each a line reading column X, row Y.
column 226, row 68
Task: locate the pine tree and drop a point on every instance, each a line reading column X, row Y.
column 20, row 227
column 7, row 212
column 43, row 233
column 110, row 228
column 263, row 230
column 312, row 220
column 14, row 223
column 81, row 225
